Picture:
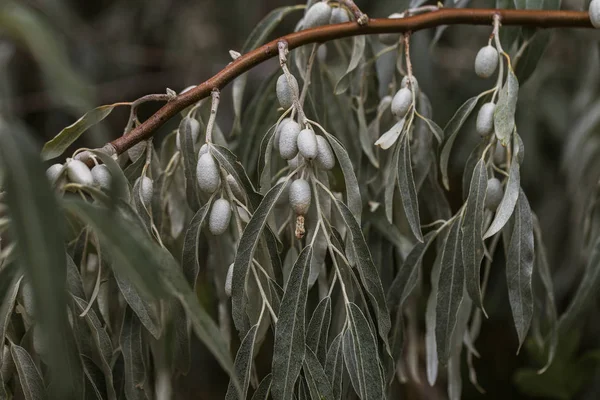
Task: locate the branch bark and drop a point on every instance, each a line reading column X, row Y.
column 529, row 18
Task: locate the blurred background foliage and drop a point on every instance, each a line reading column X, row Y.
column 60, row 58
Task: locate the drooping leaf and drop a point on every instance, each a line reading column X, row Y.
column 358, row 49
column 190, row 160
column 145, row 309
column 189, row 259
column 30, row 378
column 132, row 348
column 243, row 364
column 450, row 292
column 431, row 351
column 472, row 232
column 61, row 142
column 364, row 137
column 408, row 192
column 390, row 177
column 317, row 382
column 264, row 388
column 231, row 164
column 509, row 200
column 318, row 329
column 288, row 350
column 504, row 114
column 334, row 367
column 95, row 382
column 519, row 267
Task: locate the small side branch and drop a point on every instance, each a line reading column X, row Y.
column 361, row 18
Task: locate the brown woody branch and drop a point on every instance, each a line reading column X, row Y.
column 530, row 18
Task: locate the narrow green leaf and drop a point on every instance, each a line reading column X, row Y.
column 368, row 272
column 9, row 291
column 406, row 279
column 95, row 382
column 318, row 329
column 61, row 142
column 334, row 367
column 182, row 352
column 450, row 132
column 132, row 348
column 318, row 383
column 230, row 163
column 145, row 309
column 431, row 352
column 472, row 232
column 245, row 253
column 264, row 388
column 190, row 160
column 435, row 129
column 509, row 200
column 189, row 259
column 519, row 267
column 366, row 141
column 358, row 50
column 450, row 292
column 390, row 176
column 367, row 359
column 288, row 350
column 504, row 114
column 243, row 365
column 266, row 26
column 408, row 192
column 349, row 350
column 29, row 376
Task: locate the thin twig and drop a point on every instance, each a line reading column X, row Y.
column 361, row 18
column 216, row 96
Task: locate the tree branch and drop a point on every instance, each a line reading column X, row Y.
column 530, row 18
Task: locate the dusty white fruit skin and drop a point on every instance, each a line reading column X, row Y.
column 219, row 218
column 322, row 53
column 325, row 158
column 307, row 143
column 288, row 140
column 390, row 38
column 101, row 176
column 229, row 280
column 195, row 127
column 300, row 195
column 499, row 154
column 319, row 14
column 486, row 61
column 595, row 13
column 235, row 187
column 339, row 16
column 53, row 172
column 401, row 102
column 203, row 150
column 78, row 172
column 414, row 83
column 146, row 189
column 285, row 93
column 207, row 173
column 485, row 119
column 283, row 123
column 493, row 194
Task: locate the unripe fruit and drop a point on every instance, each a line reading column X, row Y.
column 207, row 173
column 101, row 176
column 79, row 173
column 53, row 172
column 83, row 156
column 288, row 140
column 146, row 190
column 307, row 143
column 203, row 150
column 235, row 187
column 319, row 14
column 285, row 92
column 300, row 195
column 136, row 151
column 499, row 154
column 322, row 53
column 391, row 38
column 414, row 84
column 485, row 119
column 220, row 215
column 187, row 123
column 401, row 102
column 486, row 61
column 278, row 130
column 325, row 158
column 229, row 280
column 594, row 11
column 339, row 16
column 493, row 194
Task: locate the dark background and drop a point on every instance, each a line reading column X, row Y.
column 60, row 58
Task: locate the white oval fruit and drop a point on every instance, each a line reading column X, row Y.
column 493, row 194
column 325, row 158
column 83, row 156
column 229, row 280
column 401, row 102
column 190, row 124
column 53, row 172
column 79, row 173
column 101, row 176
column 146, row 190
column 203, row 150
column 307, row 143
column 322, row 53
column 414, row 84
column 485, row 119
column 486, row 61
column 300, row 195
column 319, row 14
column 594, row 12
column 235, row 187
column 278, row 130
column 499, row 154
column 391, row 38
column 288, row 140
column 339, row 16
column 220, row 215
column 285, row 92
column 207, row 173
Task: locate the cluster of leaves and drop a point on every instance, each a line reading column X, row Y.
column 100, row 288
